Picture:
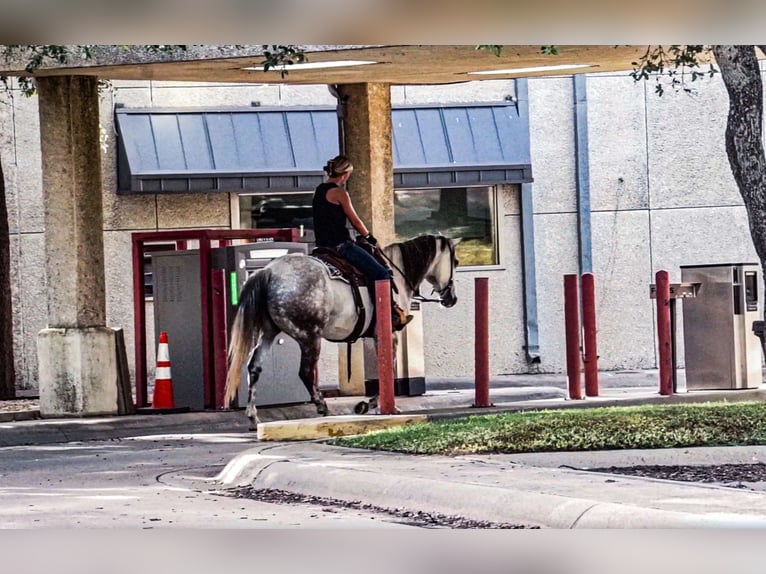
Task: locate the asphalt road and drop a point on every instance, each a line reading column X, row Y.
column 148, row 482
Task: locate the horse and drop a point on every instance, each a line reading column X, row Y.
column 295, row 294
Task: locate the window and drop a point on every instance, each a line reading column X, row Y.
column 276, row 211
column 468, row 213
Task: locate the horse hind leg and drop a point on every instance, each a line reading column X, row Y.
column 308, row 373
column 254, row 368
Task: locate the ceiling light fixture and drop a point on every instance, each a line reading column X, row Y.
column 315, row 65
column 531, row 70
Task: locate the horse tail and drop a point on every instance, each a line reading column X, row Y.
column 247, row 327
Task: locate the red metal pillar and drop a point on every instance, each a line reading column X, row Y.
column 572, row 331
column 220, row 356
column 208, row 372
column 139, row 322
column 481, row 343
column 590, row 350
column 385, row 347
column 662, row 281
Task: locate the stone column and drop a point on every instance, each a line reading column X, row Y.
column 369, row 144
column 76, row 353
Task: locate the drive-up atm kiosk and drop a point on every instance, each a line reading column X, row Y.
column 279, row 382
column 721, row 350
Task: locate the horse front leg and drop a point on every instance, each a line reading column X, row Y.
column 309, row 375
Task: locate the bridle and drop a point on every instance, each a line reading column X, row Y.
column 416, row 290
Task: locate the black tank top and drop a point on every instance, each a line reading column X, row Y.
column 329, row 219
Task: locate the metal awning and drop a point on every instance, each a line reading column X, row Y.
column 259, row 149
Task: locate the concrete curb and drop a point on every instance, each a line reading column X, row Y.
column 20, row 416
column 332, row 426
column 449, row 497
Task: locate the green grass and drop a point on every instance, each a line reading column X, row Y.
column 708, row 424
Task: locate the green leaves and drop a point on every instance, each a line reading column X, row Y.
column 40, row 54
column 497, row 49
column 492, row 48
column 673, row 66
column 281, row 56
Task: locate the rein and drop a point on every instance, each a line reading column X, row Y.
column 416, row 290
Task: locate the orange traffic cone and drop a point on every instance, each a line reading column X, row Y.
column 163, row 382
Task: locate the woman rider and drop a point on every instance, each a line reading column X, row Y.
column 332, row 209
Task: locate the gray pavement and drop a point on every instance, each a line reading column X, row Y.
column 545, row 489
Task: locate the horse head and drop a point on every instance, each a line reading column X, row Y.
column 428, row 258
column 442, row 271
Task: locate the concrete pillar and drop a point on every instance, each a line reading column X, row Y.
column 77, row 353
column 369, row 143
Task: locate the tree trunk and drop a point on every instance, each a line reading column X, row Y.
column 744, row 145
column 7, row 368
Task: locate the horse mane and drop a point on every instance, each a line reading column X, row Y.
column 417, row 255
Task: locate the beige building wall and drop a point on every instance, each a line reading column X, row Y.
column 661, row 190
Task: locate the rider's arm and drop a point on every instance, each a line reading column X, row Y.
column 340, row 196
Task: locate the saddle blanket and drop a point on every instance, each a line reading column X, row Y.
column 333, row 271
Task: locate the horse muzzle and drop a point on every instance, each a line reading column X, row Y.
column 450, row 302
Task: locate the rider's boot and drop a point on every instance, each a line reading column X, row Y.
column 399, row 319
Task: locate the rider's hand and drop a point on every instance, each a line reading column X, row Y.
column 370, row 239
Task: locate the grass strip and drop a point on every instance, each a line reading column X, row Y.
column 610, row 428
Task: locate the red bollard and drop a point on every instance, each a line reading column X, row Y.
column 662, row 281
column 572, row 331
column 385, row 348
column 481, row 344
column 590, row 350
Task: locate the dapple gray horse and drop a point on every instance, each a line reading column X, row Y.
column 295, row 295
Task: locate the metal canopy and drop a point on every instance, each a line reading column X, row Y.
column 283, row 149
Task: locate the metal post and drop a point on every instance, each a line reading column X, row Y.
column 139, row 322
column 572, row 331
column 385, row 347
column 481, row 343
column 582, row 170
column 662, row 281
column 590, row 345
column 673, row 347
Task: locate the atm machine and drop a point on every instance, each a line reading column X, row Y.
column 279, row 382
column 721, row 350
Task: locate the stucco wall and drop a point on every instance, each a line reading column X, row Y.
column 661, row 190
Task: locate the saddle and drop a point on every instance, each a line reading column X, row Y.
column 346, row 271
column 357, row 280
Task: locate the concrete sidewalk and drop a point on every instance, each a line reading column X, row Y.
column 504, row 488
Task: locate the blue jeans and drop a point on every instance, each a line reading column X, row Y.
column 363, row 261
